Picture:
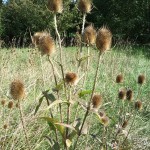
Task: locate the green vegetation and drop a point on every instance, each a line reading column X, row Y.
column 25, row 64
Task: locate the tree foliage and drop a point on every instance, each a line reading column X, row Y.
column 127, row 19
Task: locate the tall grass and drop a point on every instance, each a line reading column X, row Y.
column 25, row 64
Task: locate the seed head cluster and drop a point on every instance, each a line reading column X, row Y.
column 104, row 39
column 141, row 79
column 97, row 101
column 85, row 6
column 122, row 94
column 89, row 35
column 17, row 90
column 55, row 6
column 138, row 105
column 71, row 78
column 3, row 102
column 129, row 95
column 119, row 78
column 44, row 42
column 10, row 105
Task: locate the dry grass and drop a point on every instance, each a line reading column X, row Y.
column 36, row 73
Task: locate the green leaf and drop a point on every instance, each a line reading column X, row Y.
column 38, row 106
column 83, row 58
column 58, row 87
column 84, row 93
column 55, row 103
column 53, row 125
column 49, row 96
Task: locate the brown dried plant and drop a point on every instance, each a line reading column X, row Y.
column 55, row 6
column 104, row 39
column 89, row 35
column 85, row 6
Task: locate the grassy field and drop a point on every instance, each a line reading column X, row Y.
column 36, row 73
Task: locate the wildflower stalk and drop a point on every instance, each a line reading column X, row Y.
column 93, row 90
column 68, row 111
column 54, row 75
column 83, row 24
column 23, row 125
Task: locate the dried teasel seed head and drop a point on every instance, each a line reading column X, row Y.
column 17, row 105
column 46, row 44
column 10, row 105
column 119, row 78
column 89, row 35
column 129, row 95
column 125, row 123
column 105, row 121
column 138, row 105
column 102, row 114
column 55, row 6
column 85, row 6
column 122, row 94
column 103, row 39
column 141, row 79
column 97, row 101
column 5, row 126
column 36, row 37
column 3, row 102
column 17, row 90
column 71, row 78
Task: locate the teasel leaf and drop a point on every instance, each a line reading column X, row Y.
column 58, row 87
column 68, row 142
column 84, row 93
column 38, row 106
column 53, row 125
column 58, row 102
column 49, row 96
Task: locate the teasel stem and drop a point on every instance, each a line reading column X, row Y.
column 130, row 127
column 83, row 24
column 60, row 48
column 68, row 111
column 58, row 36
column 53, row 70
column 81, row 45
column 93, row 90
column 3, row 146
column 87, row 66
column 23, row 124
column 42, row 70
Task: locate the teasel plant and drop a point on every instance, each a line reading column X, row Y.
column 85, row 7
column 17, row 92
column 137, row 104
column 103, row 44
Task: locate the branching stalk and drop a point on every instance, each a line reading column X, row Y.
column 87, row 111
column 23, row 125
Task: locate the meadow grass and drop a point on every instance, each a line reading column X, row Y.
column 27, row 65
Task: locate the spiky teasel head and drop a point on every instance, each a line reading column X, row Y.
column 141, row 79
column 105, row 121
column 85, row 6
column 71, row 78
column 55, row 6
column 17, row 90
column 10, row 104
column 104, row 39
column 46, row 44
column 89, row 35
column 5, row 126
column 125, row 123
column 119, row 78
column 97, row 101
column 129, row 95
column 138, row 105
column 3, row 102
column 122, row 94
column 36, row 37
